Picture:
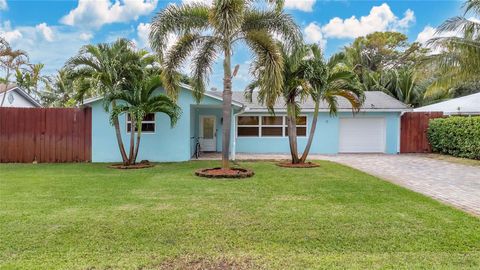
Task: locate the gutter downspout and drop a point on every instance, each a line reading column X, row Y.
column 234, row 145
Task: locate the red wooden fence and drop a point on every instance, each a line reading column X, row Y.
column 45, row 135
column 413, row 135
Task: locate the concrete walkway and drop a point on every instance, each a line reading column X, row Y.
column 451, row 183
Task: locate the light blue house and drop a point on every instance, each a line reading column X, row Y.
column 375, row 129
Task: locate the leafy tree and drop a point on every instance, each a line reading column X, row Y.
column 102, row 69
column 10, row 61
column 459, row 60
column 208, row 31
column 30, row 77
column 59, row 91
column 138, row 100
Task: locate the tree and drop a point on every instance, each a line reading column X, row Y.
column 101, row 69
column 459, row 57
column 210, row 31
column 329, row 81
column 10, row 61
column 59, row 91
column 30, row 77
column 139, row 99
column 306, row 75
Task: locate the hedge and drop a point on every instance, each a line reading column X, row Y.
column 456, row 136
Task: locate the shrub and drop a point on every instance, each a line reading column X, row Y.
column 456, row 136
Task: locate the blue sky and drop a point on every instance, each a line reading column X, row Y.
column 52, row 31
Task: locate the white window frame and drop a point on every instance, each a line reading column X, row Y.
column 143, row 122
column 260, row 125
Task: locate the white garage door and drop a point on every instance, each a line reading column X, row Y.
column 362, row 135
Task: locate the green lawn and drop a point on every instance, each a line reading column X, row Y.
column 87, row 216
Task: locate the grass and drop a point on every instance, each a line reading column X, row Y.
column 86, row 216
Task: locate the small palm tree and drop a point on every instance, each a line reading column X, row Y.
column 306, row 75
column 459, row 61
column 210, row 31
column 10, row 61
column 101, row 69
column 138, row 100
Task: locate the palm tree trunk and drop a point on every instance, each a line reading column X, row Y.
column 226, row 108
column 132, row 142
column 312, row 132
column 139, row 134
column 292, row 132
column 6, row 86
column 118, row 134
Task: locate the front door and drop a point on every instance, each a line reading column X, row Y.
column 208, row 134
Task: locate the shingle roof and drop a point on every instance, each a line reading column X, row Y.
column 374, row 100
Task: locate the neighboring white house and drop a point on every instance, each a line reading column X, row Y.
column 467, row 105
column 16, row 97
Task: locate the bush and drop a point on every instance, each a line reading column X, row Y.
column 456, row 136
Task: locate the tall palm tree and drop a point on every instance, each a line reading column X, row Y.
column 208, row 31
column 139, row 100
column 459, row 59
column 307, row 75
column 101, row 69
column 329, row 80
column 10, row 61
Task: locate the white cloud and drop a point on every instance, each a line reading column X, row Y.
column 54, row 53
column 95, row 13
column 86, row 36
column 46, row 31
column 429, row 32
column 381, row 18
column 143, row 31
column 313, row 34
column 303, row 5
column 9, row 34
column 3, row 5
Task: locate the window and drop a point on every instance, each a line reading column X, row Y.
column 248, row 126
column 272, row 126
column 301, row 127
column 148, row 123
column 268, row 126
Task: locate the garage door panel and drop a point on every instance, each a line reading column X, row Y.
column 362, row 135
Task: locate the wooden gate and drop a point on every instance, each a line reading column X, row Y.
column 45, row 135
column 413, row 135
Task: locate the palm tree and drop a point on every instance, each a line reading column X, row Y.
column 59, row 90
column 306, row 75
column 459, row 59
column 139, row 100
column 101, row 69
column 10, row 61
column 209, row 31
column 329, row 81
column 30, row 77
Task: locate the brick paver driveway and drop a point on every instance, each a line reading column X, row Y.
column 452, row 183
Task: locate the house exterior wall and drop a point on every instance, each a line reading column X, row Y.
column 166, row 144
column 326, row 138
column 18, row 100
column 175, row 144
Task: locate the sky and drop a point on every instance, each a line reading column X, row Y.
column 52, row 31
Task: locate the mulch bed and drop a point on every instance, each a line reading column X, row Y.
column 221, row 173
column 131, row 167
column 298, row 165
